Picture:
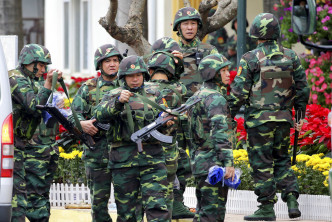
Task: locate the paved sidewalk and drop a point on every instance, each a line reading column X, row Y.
column 77, row 215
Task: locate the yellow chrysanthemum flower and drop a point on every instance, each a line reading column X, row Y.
column 61, row 150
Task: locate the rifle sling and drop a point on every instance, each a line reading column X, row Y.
column 63, row 85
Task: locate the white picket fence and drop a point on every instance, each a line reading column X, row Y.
column 313, row 207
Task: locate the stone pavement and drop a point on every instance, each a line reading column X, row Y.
column 66, row 215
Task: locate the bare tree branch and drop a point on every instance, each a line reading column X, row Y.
column 226, row 11
column 131, row 33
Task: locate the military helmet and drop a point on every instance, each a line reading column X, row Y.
column 106, row 51
column 211, row 64
column 165, row 44
column 186, row 13
column 265, row 26
column 34, row 53
column 160, row 60
column 131, row 65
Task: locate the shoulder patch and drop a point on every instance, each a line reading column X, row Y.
column 239, row 71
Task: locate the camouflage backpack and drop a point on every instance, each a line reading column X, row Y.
column 265, row 26
column 274, row 89
column 34, row 53
column 186, row 13
column 211, row 64
column 105, row 51
column 131, row 65
column 166, row 44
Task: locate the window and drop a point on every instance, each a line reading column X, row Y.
column 76, row 35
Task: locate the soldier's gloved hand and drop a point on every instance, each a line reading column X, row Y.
column 230, row 173
column 177, row 54
column 298, row 126
column 125, row 95
column 48, row 82
column 88, row 127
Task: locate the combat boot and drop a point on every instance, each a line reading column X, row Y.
column 264, row 213
column 293, row 207
column 181, row 211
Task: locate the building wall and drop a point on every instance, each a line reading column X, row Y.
column 55, row 34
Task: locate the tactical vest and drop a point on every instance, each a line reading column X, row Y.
column 275, row 88
column 191, row 77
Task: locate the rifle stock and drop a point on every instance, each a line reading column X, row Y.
column 151, row 130
column 84, row 137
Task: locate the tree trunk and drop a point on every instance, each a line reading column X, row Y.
column 11, row 19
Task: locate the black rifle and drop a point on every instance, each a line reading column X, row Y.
column 151, row 129
column 84, row 137
column 296, row 138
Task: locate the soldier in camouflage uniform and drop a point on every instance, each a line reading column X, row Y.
column 165, row 74
column 99, row 176
column 41, row 162
column 211, row 134
column 187, row 23
column 33, row 60
column 134, row 171
column 270, row 81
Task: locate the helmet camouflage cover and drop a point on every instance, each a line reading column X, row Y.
column 34, row 53
column 165, row 62
column 105, row 51
column 186, row 13
column 165, row 44
column 131, row 65
column 265, row 26
column 211, row 64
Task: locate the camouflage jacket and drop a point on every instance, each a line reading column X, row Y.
column 249, row 73
column 210, row 130
column 191, row 77
column 173, row 92
column 84, row 104
column 124, row 152
column 25, row 97
column 43, row 135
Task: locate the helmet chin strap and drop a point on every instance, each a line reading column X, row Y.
column 108, row 75
column 179, row 33
column 28, row 72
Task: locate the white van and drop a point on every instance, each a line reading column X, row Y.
column 6, row 142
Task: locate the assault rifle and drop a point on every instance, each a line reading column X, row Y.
column 151, row 129
column 84, row 137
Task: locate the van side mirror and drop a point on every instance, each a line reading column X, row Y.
column 304, row 16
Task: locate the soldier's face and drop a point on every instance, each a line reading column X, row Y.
column 224, row 72
column 134, row 80
column 110, row 65
column 189, row 28
column 40, row 66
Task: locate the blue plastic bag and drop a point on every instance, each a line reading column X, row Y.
column 216, row 174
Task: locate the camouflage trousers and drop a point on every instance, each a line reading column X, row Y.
column 151, row 181
column 40, row 166
column 211, row 201
column 184, row 170
column 99, row 179
column 183, row 173
column 268, row 156
column 171, row 156
column 19, row 202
